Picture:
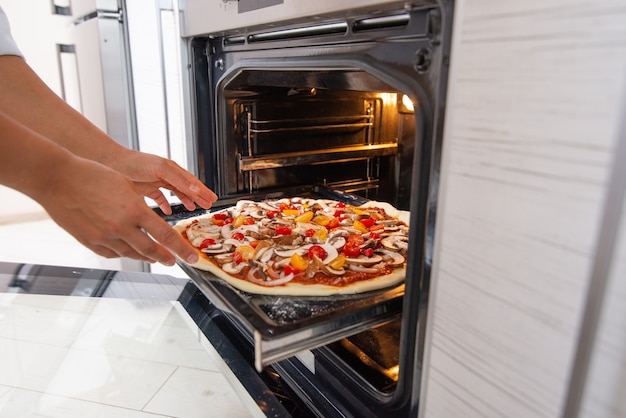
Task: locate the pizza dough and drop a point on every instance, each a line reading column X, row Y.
column 268, row 233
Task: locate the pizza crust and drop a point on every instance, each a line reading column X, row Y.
column 297, row 289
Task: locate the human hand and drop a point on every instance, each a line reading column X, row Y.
column 103, row 210
column 150, row 173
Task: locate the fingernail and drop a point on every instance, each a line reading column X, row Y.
column 192, row 258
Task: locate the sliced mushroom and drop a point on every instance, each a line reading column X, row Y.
column 331, row 253
column 223, row 258
column 232, row 242
column 337, row 241
column 233, row 268
column 288, row 252
column 227, row 230
column 329, row 271
column 396, row 259
column 267, row 206
column 241, row 204
column 215, row 249
column 395, row 242
column 258, row 214
column 264, row 254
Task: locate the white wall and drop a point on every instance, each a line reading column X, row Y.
column 535, row 103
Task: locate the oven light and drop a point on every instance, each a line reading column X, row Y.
column 408, row 104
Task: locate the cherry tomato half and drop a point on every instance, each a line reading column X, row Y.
column 368, row 222
column 351, row 249
column 356, row 239
column 316, row 250
column 368, row 252
column 287, row 206
column 333, row 223
column 289, row 270
column 238, row 236
column 220, row 216
column 375, row 235
column 207, row 243
column 309, row 232
column 283, row 230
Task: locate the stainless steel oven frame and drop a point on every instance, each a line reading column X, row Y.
column 405, row 46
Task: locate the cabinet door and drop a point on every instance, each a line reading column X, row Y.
column 535, row 102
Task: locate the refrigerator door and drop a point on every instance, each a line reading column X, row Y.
column 104, row 76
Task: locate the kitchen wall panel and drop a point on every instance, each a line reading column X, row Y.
column 533, row 116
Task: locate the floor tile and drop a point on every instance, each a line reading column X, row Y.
column 194, row 393
column 44, row 242
column 19, row 403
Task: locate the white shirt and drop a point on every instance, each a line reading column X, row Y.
column 7, row 44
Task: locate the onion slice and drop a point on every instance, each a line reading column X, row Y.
column 359, row 268
column 269, row 283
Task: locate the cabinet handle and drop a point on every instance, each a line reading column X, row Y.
column 68, row 73
column 61, row 7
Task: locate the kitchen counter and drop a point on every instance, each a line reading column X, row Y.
column 85, row 342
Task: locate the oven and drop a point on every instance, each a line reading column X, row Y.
column 343, row 100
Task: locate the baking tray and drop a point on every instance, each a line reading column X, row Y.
column 281, row 326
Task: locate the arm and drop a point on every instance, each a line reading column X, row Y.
column 27, row 100
column 97, row 205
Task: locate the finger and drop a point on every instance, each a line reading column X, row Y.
column 187, row 184
column 144, row 245
column 114, row 249
column 124, row 249
column 185, row 200
column 170, row 238
column 156, row 195
column 162, row 202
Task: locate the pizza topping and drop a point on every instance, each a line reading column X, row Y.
column 233, row 267
column 316, row 250
column 307, row 241
column 395, row 242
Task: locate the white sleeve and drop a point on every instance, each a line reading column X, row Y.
column 7, row 44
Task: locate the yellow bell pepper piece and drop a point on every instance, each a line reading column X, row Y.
column 357, row 210
column 238, row 221
column 305, row 217
column 358, row 225
column 299, row 262
column 290, row 212
column 321, row 234
column 321, row 220
column 337, row 262
column 247, row 252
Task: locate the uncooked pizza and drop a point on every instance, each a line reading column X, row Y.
column 302, row 246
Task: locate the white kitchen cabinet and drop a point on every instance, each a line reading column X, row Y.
column 534, row 123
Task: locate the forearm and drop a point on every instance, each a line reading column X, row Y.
column 26, row 99
column 29, row 162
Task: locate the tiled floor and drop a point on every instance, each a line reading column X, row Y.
column 72, row 356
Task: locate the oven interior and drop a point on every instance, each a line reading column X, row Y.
column 345, row 129
column 345, row 107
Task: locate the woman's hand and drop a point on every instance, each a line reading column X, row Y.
column 103, row 210
column 151, row 173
